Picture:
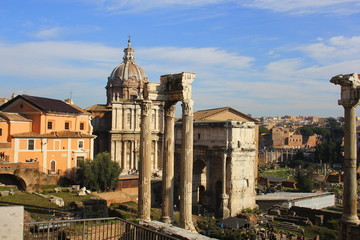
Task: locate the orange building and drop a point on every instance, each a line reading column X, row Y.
column 54, row 133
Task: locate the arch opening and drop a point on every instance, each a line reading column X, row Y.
column 9, row 179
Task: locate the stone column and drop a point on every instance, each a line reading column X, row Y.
column 168, row 163
column 156, row 166
column 113, row 157
column 186, row 166
column 225, row 212
column 349, row 99
column 349, row 216
column 144, row 203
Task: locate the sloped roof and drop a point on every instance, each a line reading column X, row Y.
column 79, row 108
column 203, row 115
column 7, row 116
column 60, row 134
column 44, row 104
column 98, row 107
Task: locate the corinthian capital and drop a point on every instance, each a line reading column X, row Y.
column 169, row 109
column 187, row 107
column 146, row 108
column 346, row 80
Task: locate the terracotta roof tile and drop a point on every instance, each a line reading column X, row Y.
column 202, row 115
column 8, row 116
column 45, row 104
column 98, row 107
column 80, row 109
column 60, row 134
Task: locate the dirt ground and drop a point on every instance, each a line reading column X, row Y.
column 127, row 194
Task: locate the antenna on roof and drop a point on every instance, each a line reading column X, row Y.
column 71, row 95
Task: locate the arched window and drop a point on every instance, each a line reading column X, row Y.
column 53, row 166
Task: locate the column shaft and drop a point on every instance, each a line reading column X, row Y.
column 168, row 164
column 350, row 182
column 186, row 166
column 144, row 203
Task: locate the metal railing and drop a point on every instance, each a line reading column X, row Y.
column 90, row 229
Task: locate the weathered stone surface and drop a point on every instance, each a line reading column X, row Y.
column 173, row 231
column 11, row 222
column 58, row 201
column 4, row 193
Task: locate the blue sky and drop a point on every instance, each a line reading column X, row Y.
column 262, row 57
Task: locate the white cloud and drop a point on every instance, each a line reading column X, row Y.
column 306, row 6
column 208, row 57
column 56, row 60
column 289, row 6
column 66, row 66
column 335, row 49
column 54, row 68
column 48, row 33
column 144, row 5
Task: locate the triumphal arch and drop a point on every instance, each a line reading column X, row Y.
column 172, row 88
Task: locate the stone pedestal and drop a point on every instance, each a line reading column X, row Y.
column 144, row 203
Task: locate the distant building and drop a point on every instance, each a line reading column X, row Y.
column 289, row 199
column 284, row 138
column 49, row 131
column 225, row 160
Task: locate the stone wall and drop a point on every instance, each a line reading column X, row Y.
column 312, row 213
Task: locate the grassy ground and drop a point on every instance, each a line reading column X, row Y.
column 41, row 209
column 279, row 172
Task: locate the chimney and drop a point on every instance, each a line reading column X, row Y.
column 68, row 101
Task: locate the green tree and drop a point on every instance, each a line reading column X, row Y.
column 263, row 129
column 98, row 174
column 304, row 181
column 306, row 131
column 328, row 152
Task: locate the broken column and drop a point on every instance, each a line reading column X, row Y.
column 349, row 99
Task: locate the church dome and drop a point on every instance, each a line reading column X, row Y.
column 128, row 68
column 126, row 81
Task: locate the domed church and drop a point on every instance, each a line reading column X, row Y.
column 117, row 123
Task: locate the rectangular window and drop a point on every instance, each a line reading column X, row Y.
column 81, row 144
column 82, row 126
column 50, row 125
column 31, row 144
column 0, row 131
column 78, row 160
column 67, row 125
